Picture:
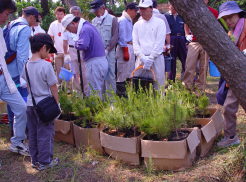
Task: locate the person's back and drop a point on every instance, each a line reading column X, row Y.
column 95, row 48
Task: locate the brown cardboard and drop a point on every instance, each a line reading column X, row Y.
column 64, row 131
column 171, row 155
column 87, row 137
column 3, row 107
column 120, row 148
column 211, row 129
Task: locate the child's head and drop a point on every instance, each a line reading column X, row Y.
column 42, row 44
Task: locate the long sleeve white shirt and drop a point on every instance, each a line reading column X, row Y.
column 3, row 50
column 149, row 37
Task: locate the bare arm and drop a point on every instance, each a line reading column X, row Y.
column 54, row 91
column 187, row 29
column 65, row 46
column 168, row 39
column 115, row 35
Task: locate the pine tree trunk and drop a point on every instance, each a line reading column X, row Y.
column 69, row 3
column 45, row 7
column 210, row 34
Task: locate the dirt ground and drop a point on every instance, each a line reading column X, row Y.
column 221, row 165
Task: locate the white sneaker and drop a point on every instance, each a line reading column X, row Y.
column 227, row 141
column 53, row 163
column 20, row 149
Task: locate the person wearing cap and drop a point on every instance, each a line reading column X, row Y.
column 19, row 34
column 236, row 22
column 196, row 55
column 148, row 41
column 37, row 28
column 124, row 52
column 56, row 31
column 9, row 92
column 157, row 13
column 178, row 41
column 43, row 84
column 70, row 52
column 107, row 25
column 89, row 41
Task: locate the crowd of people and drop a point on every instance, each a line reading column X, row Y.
column 100, row 54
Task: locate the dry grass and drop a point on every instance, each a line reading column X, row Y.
column 221, row 165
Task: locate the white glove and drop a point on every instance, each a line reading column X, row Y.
column 148, row 63
column 67, row 59
column 106, row 52
column 189, row 38
column 244, row 52
column 23, row 83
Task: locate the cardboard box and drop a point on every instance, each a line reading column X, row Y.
column 211, row 129
column 64, row 131
column 3, row 107
column 120, row 148
column 171, row 155
column 87, row 137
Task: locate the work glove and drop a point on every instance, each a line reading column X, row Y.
column 244, row 52
column 148, row 63
column 67, row 59
column 23, row 83
column 106, row 52
column 126, row 55
column 189, row 38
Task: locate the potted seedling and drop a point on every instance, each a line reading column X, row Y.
column 86, row 128
column 121, row 138
column 167, row 145
column 64, row 124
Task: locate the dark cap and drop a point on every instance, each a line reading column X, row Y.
column 31, row 11
column 96, row 4
column 132, row 6
column 45, row 39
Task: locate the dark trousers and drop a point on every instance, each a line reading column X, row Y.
column 178, row 50
column 24, row 94
column 41, row 138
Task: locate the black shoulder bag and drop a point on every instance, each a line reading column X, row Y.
column 47, row 109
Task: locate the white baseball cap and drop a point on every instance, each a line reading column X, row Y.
column 145, row 3
column 67, row 20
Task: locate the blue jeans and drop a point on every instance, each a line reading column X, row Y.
column 18, row 106
column 24, row 93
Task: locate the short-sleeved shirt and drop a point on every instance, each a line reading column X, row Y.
column 56, row 30
column 70, row 37
column 42, row 77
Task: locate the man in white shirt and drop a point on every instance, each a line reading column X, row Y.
column 70, row 52
column 37, row 28
column 56, row 31
column 148, row 42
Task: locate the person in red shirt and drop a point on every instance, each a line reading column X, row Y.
column 196, row 55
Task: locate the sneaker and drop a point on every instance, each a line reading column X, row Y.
column 20, row 149
column 227, row 141
column 53, row 163
column 35, row 165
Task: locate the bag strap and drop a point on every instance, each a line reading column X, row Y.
column 28, row 80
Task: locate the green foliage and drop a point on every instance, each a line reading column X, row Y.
column 23, row 4
column 150, row 111
column 65, row 102
column 86, row 108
